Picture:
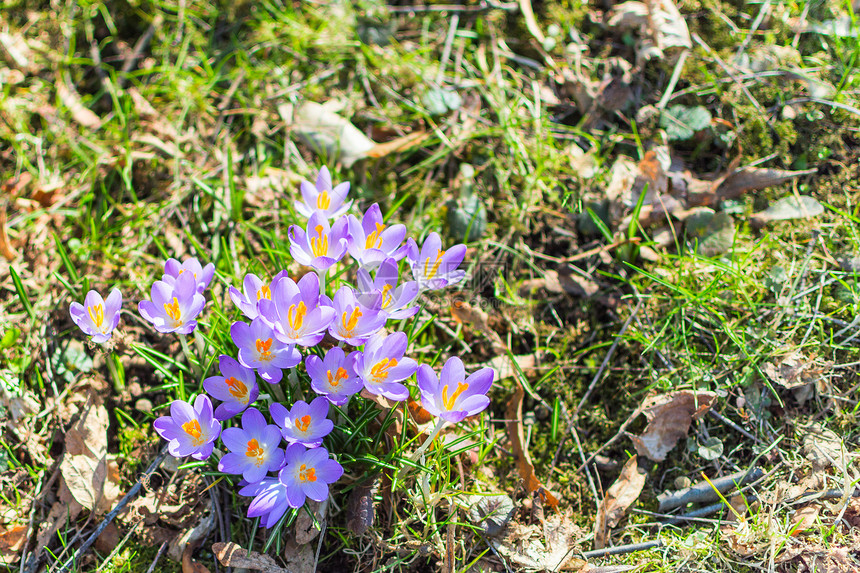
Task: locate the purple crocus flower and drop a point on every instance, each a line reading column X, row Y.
column 382, row 366
column 308, row 473
column 174, row 307
column 253, row 449
column 306, row 423
column 322, row 245
column 371, row 241
column 236, row 387
column 433, row 267
column 394, row 300
column 190, row 431
column 451, row 395
column 353, row 322
column 297, row 311
column 270, row 500
column 97, row 317
column 255, row 290
column 322, row 198
column 202, row 275
column 334, row 376
column 259, row 348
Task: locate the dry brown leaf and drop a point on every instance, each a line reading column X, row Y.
column 751, row 178
column 464, row 313
column 804, row 519
column 669, row 418
column 823, row 448
column 299, row 558
column 408, row 141
column 619, row 497
column 5, row 246
column 72, row 100
column 516, row 433
column 11, row 541
column 504, row 368
column 360, row 509
column 660, row 24
column 90, row 475
column 326, row 132
column 307, row 527
column 233, row 555
column 522, row 545
column 188, row 563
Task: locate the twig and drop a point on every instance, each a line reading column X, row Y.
column 446, row 50
column 673, row 81
column 622, row 549
column 606, row 360
column 733, row 426
column 575, row 416
column 732, row 75
column 132, row 493
column 483, row 6
column 704, row 491
column 139, row 47
column 161, row 551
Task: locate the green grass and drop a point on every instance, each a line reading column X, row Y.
column 192, row 158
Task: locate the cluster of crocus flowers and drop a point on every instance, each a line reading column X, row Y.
column 278, row 449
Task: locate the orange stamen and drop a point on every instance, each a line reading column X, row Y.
column 307, row 474
column 428, row 272
column 350, row 323
column 323, row 201
column 334, row 381
column 97, row 315
column 296, row 315
column 374, row 240
column 303, row 423
column 256, row 451
column 449, row 402
column 380, row 369
column 263, row 347
column 237, row 389
column 264, row 292
column 192, row 428
column 319, row 244
column 387, row 297
column 172, row 310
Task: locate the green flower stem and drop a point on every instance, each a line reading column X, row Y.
column 117, row 378
column 420, row 451
column 322, row 275
column 189, row 356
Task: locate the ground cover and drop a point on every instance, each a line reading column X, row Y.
column 661, row 212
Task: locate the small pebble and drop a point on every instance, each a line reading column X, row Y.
column 143, row 405
column 682, row 482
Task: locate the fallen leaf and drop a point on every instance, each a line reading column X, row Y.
column 804, row 519
column 299, row 558
column 491, row 512
column 669, row 418
column 5, row 246
column 307, row 526
column 234, row 555
column 194, row 535
column 516, row 433
column 802, row 207
column 11, row 541
column 188, row 564
column 327, row 133
column 750, row 178
column 361, row 507
column 107, row 539
column 661, row 26
column 90, row 475
column 619, row 497
column 522, row 545
column 397, row 145
column 72, row 100
column 505, row 368
column 466, row 314
column 823, row 448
